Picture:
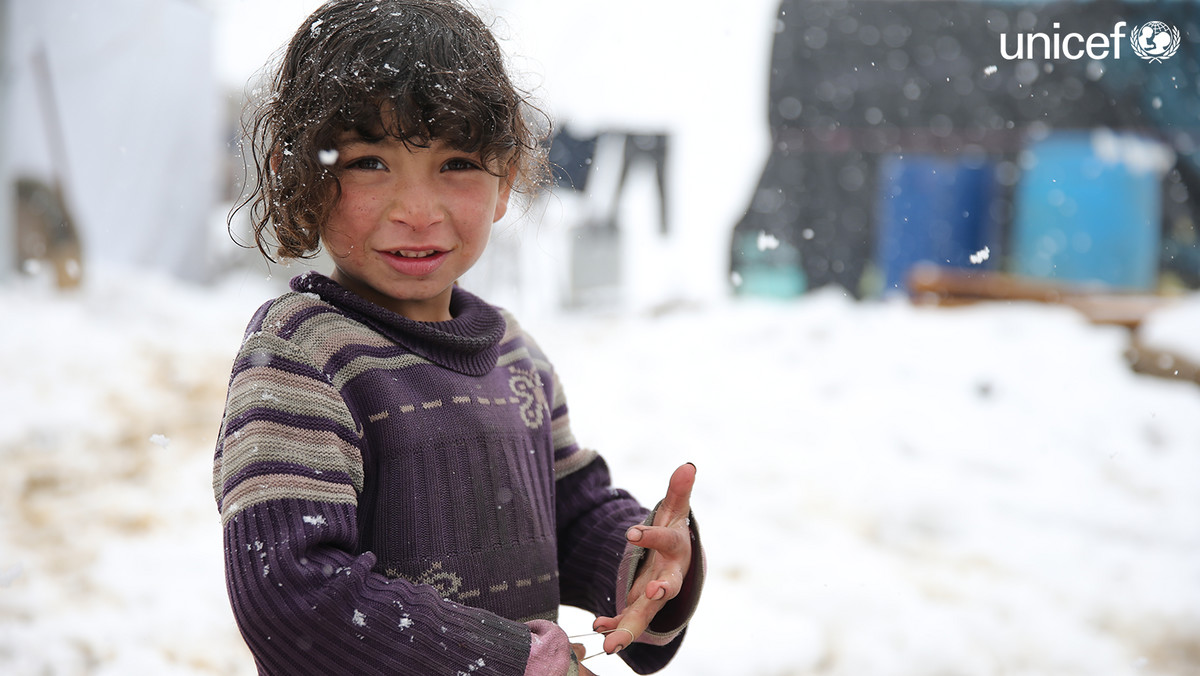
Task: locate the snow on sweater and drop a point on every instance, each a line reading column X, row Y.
column 400, row 497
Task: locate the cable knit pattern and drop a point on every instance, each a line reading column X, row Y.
column 400, row 497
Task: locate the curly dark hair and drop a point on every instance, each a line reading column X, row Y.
column 420, row 70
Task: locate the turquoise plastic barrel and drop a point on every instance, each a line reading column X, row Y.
column 767, row 267
column 1089, row 209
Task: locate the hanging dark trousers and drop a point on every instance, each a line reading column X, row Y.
column 651, row 147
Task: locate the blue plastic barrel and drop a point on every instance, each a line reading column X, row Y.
column 1089, row 209
column 933, row 209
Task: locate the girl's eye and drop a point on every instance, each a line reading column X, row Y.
column 459, row 164
column 367, row 163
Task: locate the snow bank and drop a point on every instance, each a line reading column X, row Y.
column 883, row 489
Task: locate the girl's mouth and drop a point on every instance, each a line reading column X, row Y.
column 414, row 254
column 415, row 262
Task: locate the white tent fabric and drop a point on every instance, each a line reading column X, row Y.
column 140, row 115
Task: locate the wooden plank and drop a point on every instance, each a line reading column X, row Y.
column 1162, row 363
column 956, row 286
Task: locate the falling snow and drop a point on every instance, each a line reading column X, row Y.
column 767, row 241
column 981, row 490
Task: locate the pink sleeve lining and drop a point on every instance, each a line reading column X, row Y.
column 549, row 651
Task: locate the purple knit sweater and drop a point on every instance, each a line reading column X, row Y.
column 400, row 497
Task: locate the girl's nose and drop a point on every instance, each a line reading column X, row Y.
column 415, row 205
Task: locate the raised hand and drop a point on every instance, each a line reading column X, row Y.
column 659, row 578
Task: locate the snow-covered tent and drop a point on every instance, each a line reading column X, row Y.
column 117, row 102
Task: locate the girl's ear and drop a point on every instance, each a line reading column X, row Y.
column 506, row 184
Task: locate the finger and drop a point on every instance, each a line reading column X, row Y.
column 613, row 640
column 618, row 639
column 603, row 624
column 679, row 492
column 664, row 588
column 666, row 540
column 579, row 650
column 631, row 624
column 619, row 631
column 661, row 583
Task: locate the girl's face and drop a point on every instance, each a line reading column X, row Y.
column 410, row 221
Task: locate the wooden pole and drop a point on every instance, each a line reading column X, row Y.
column 8, row 211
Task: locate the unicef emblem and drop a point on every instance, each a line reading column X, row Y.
column 1155, row 41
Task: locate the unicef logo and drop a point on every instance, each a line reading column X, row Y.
column 1155, row 41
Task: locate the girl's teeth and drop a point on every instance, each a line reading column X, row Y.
column 415, row 254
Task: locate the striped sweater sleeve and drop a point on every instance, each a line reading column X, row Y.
column 288, row 471
column 595, row 559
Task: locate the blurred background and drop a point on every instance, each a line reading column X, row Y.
column 912, row 285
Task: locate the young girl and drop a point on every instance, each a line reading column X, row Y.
column 398, row 484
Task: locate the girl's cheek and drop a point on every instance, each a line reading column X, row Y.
column 336, row 242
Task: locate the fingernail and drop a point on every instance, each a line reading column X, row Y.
column 618, row 649
column 633, row 535
column 694, row 466
column 660, row 593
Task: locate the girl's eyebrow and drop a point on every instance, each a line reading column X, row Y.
column 352, row 138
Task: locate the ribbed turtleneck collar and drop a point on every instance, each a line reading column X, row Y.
column 469, row 343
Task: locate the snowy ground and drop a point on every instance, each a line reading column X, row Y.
column 883, row 489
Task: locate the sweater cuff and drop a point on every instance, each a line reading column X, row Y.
column 675, row 615
column 550, row 651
